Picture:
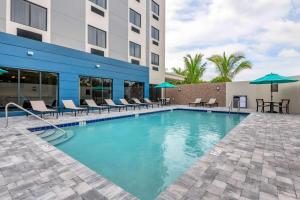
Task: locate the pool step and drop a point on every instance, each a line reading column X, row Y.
column 46, row 133
column 61, row 140
column 55, row 137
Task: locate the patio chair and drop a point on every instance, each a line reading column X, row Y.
column 196, row 102
column 137, row 101
column 148, row 101
column 125, row 103
column 111, row 104
column 41, row 108
column 260, row 103
column 284, row 104
column 212, row 102
column 92, row 105
column 168, row 101
column 69, row 105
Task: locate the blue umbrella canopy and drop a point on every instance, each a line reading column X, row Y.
column 273, row 79
column 2, row 71
column 165, row 85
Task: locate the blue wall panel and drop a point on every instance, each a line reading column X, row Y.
column 70, row 64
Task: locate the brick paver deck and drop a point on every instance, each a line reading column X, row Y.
column 259, row 159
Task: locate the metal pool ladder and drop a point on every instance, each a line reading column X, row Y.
column 30, row 113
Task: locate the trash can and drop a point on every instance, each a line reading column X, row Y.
column 240, row 101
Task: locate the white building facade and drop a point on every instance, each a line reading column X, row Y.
column 127, row 30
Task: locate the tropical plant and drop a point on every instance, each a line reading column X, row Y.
column 194, row 68
column 179, row 71
column 229, row 67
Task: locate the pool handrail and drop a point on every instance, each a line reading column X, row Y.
column 30, row 113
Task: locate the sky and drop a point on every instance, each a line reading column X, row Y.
column 266, row 31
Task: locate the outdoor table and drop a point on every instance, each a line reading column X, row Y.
column 162, row 101
column 272, row 104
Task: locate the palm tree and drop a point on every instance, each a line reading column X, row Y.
column 229, row 67
column 179, row 71
column 194, row 68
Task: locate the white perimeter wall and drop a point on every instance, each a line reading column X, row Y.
column 286, row 91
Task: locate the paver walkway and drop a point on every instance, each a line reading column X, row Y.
column 259, row 159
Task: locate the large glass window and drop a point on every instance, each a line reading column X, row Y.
column 101, row 3
column 154, row 59
column 135, row 18
column 154, row 33
column 133, row 89
column 29, row 87
column 95, row 88
column 29, row 14
column 49, row 88
column 8, row 87
column 155, row 8
column 96, row 37
column 135, row 50
column 21, row 86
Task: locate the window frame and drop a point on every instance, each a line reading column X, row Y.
column 153, row 3
column 29, row 15
column 105, row 7
column 153, row 29
column 154, row 58
column 134, row 18
column 97, row 36
column 135, row 45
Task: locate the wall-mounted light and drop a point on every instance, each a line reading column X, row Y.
column 218, row 88
column 30, row 53
column 97, row 66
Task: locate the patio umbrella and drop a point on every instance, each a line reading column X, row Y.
column 273, row 79
column 165, row 85
column 2, row 71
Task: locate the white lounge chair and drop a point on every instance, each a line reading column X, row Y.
column 125, row 103
column 69, row 105
column 196, row 102
column 92, row 105
column 148, row 101
column 212, row 102
column 112, row 104
column 135, row 100
column 41, row 108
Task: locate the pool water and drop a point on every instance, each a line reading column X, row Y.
column 146, row 154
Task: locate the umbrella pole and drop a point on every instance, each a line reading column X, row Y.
column 271, row 93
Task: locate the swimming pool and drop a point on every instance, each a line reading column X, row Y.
column 146, row 154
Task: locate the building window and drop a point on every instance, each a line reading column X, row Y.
column 96, row 37
column 20, row 86
column 29, row 14
column 101, row 3
column 155, row 8
column 135, row 50
column 135, row 18
column 95, row 88
column 133, row 89
column 154, row 59
column 154, row 33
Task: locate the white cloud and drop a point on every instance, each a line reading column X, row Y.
column 289, row 53
column 256, row 28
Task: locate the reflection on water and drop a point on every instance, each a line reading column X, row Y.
column 144, row 155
